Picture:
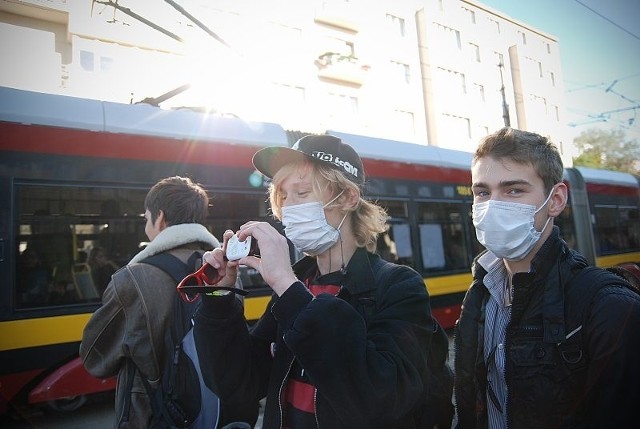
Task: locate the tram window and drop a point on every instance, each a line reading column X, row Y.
column 443, row 241
column 395, row 245
column 58, row 227
column 395, row 208
column 616, row 228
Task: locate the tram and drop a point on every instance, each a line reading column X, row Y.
column 74, row 174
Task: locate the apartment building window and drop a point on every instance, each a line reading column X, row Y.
column 471, row 14
column 523, row 36
column 552, row 76
column 483, row 131
column 343, row 104
column 556, row 110
column 453, row 80
column 404, row 120
column 475, row 51
column 548, row 47
column 479, row 91
column 450, row 35
column 496, row 25
column 87, row 61
column 403, row 71
column 106, row 64
column 290, row 95
column 396, row 24
column 539, row 104
column 499, row 57
column 458, row 127
column 540, row 69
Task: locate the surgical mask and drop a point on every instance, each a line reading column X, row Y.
column 307, row 228
column 506, row 228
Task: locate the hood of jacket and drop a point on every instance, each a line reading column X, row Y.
column 176, row 236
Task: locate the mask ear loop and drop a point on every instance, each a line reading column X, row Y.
column 334, row 198
column 343, row 269
column 544, row 204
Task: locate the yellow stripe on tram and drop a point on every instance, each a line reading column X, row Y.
column 617, row 259
column 44, row 331
column 448, row 284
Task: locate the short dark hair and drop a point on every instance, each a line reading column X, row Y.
column 181, row 200
column 524, row 147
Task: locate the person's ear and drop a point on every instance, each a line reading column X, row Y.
column 558, row 200
column 161, row 223
column 351, row 199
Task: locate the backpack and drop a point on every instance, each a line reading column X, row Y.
column 438, row 409
column 182, row 400
column 580, row 293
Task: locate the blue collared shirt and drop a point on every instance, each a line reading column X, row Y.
column 497, row 317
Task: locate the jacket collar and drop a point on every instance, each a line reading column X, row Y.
column 175, row 236
column 359, row 277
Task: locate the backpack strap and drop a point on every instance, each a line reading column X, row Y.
column 173, row 265
column 580, row 293
column 130, row 369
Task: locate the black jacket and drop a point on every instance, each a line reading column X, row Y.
column 546, row 390
column 365, row 376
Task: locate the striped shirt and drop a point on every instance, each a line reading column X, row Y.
column 497, row 317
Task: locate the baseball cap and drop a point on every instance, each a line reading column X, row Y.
column 322, row 148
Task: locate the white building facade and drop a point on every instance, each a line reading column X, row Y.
column 424, row 71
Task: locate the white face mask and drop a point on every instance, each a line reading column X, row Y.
column 506, row 228
column 307, row 228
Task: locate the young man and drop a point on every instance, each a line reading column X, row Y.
column 344, row 340
column 517, row 364
column 137, row 305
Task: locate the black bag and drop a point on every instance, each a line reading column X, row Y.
column 580, row 293
column 182, row 400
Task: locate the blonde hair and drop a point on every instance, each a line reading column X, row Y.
column 368, row 219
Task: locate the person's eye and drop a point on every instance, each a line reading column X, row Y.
column 515, row 191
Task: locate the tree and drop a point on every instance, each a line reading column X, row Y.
column 607, row 149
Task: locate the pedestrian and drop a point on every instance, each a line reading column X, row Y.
column 344, row 340
column 533, row 349
column 137, row 305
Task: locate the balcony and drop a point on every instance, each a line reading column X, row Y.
column 345, row 69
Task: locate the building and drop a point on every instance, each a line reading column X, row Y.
column 437, row 72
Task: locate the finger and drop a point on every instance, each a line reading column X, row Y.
column 215, row 258
column 225, row 237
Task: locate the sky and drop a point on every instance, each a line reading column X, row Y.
column 600, row 50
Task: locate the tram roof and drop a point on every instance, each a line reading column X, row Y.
column 28, row 107
column 411, row 153
column 608, row 177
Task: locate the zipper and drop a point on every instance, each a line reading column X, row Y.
column 315, row 407
column 284, row 380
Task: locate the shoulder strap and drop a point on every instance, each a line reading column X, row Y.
column 582, row 289
column 172, row 265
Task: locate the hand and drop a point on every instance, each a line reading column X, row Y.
column 228, row 270
column 274, row 263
